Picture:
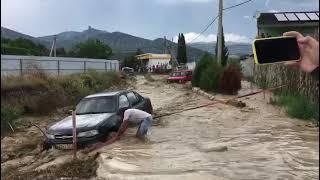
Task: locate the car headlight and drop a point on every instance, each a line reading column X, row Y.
column 50, row 136
column 88, row 133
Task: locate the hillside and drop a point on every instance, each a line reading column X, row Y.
column 234, row 48
column 122, row 44
column 10, row 34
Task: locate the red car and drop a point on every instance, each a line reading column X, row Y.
column 180, row 76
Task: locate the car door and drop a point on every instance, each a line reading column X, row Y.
column 136, row 101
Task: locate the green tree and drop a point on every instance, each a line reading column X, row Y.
column 61, row 52
column 201, row 65
column 93, row 48
column 182, row 50
column 22, row 46
column 225, row 51
column 131, row 61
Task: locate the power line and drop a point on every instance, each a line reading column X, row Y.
column 230, row 7
column 207, row 27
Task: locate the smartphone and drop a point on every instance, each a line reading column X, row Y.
column 275, row 50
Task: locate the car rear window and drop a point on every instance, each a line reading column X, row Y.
column 96, row 105
column 132, row 98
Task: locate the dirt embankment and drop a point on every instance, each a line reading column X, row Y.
column 216, row 142
column 22, row 158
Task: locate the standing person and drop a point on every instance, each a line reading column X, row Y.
column 309, row 51
column 153, row 68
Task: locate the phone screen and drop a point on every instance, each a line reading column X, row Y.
column 276, row 50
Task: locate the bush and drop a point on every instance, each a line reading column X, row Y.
column 236, row 63
column 297, row 106
column 201, row 65
column 8, row 115
column 14, row 50
column 210, row 76
column 230, row 81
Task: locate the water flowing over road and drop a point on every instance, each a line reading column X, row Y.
column 216, row 142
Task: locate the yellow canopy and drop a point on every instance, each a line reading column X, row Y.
column 153, row 56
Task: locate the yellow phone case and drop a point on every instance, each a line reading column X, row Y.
column 261, row 39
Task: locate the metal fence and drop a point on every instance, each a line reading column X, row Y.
column 20, row 65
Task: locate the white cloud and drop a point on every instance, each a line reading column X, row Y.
column 246, row 17
column 229, row 37
column 273, row 11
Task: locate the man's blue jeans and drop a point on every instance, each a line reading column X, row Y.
column 144, row 126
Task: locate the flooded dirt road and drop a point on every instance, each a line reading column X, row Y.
column 215, row 142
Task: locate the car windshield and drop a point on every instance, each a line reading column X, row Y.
column 175, row 74
column 128, row 70
column 96, row 105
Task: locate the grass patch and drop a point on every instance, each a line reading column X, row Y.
column 8, row 116
column 76, row 169
column 297, row 106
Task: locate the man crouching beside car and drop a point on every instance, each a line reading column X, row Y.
column 130, row 117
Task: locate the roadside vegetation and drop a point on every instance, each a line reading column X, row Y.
column 40, row 94
column 92, row 48
column 211, row 76
column 22, row 46
column 297, row 105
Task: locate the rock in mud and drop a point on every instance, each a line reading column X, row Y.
column 236, row 103
column 214, row 147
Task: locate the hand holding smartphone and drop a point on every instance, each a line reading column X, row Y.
column 275, row 50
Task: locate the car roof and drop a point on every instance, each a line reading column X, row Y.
column 107, row 93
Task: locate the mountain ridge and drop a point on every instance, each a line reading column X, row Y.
column 122, row 44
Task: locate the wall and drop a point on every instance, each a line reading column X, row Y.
column 247, row 67
column 156, row 62
column 18, row 65
column 191, row 65
column 278, row 31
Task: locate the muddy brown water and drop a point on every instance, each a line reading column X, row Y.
column 216, row 142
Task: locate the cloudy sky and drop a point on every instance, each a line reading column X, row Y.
column 144, row 18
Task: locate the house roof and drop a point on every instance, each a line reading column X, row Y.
column 153, row 56
column 307, row 18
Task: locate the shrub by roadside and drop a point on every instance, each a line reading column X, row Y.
column 8, row 115
column 296, row 105
column 212, row 76
column 230, row 81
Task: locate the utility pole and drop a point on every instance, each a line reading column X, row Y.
column 165, row 45
column 219, row 53
column 173, row 59
column 53, row 47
